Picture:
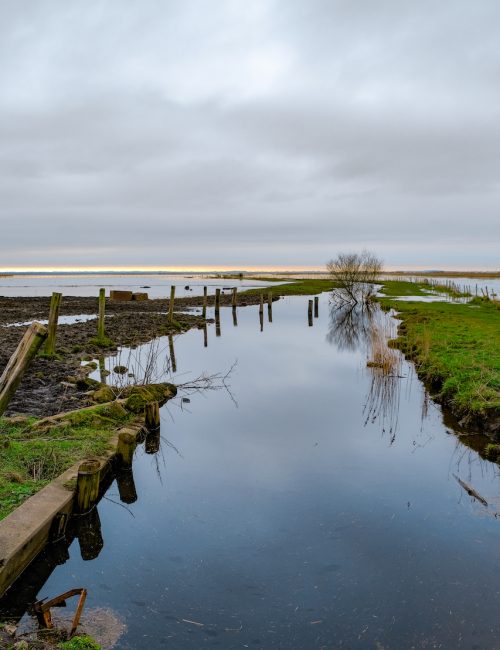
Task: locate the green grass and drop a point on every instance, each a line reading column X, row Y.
column 394, row 288
column 455, row 346
column 294, row 288
column 79, row 643
column 31, row 458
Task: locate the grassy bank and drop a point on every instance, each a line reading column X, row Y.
column 455, row 347
column 292, row 288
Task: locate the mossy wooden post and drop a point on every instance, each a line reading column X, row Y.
column 101, row 334
column 171, row 304
column 173, row 362
column 50, row 344
column 87, row 487
column 217, row 301
column 33, row 338
column 316, row 307
column 125, row 449
column 205, row 300
column 152, row 416
column 310, row 312
column 233, row 297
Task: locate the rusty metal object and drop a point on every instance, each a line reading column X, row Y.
column 42, row 608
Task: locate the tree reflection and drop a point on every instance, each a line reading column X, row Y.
column 350, row 324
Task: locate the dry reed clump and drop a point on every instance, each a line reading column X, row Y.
column 382, row 356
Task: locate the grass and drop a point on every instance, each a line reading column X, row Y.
column 455, row 347
column 80, row 643
column 293, row 288
column 30, row 458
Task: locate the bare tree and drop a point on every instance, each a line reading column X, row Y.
column 355, row 274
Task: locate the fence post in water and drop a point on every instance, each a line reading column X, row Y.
column 50, row 344
column 171, row 304
column 125, row 449
column 205, row 296
column 33, row 338
column 316, row 307
column 102, row 312
column 173, row 362
column 310, row 312
column 87, row 486
column 217, row 301
column 152, row 416
column 261, row 306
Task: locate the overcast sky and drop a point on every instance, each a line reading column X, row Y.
column 249, row 132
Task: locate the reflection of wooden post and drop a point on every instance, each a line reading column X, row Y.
column 89, row 535
column 33, row 338
column 233, row 298
column 125, row 449
column 173, row 362
column 50, row 344
column 270, row 306
column 316, row 307
column 205, row 300
column 152, row 444
column 217, row 301
column 310, row 312
column 217, row 324
column 88, row 484
column 171, row 304
column 235, row 317
column 152, row 416
column 126, row 486
column 102, row 312
column 261, row 307
column 261, row 319
column 102, row 368
column 205, row 336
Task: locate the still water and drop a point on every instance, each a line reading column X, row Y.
column 310, row 508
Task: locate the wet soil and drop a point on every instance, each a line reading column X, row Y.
column 49, row 385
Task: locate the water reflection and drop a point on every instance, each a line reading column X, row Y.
column 349, row 325
column 173, row 361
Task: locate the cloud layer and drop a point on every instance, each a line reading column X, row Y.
column 230, row 133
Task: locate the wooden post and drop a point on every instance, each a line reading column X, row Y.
column 102, row 369
column 270, row 307
column 171, row 304
column 152, row 416
column 235, row 317
column 125, row 449
column 217, row 301
column 310, row 313
column 233, row 297
column 261, row 319
column 87, row 486
column 316, row 307
column 50, row 344
column 173, row 362
column 217, row 324
column 205, row 336
column 33, row 338
column 261, row 307
column 102, row 312
column 152, row 444
column 205, row 300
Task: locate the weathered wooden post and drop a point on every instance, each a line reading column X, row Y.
column 270, row 306
column 217, row 301
column 173, row 362
column 33, row 338
column 125, row 449
column 205, row 336
column 87, row 486
column 152, row 416
column 102, row 369
column 101, row 333
column 50, row 344
column 233, row 297
column 316, row 307
column 171, row 304
column 310, row 313
column 205, row 300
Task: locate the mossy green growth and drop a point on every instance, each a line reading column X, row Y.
column 31, row 457
column 492, row 452
column 455, row 347
column 80, row 643
column 139, row 396
column 102, row 342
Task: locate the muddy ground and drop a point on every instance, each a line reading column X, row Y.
column 49, row 385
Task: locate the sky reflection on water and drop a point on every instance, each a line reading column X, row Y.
column 289, row 520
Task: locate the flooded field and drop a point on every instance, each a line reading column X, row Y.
column 312, row 504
